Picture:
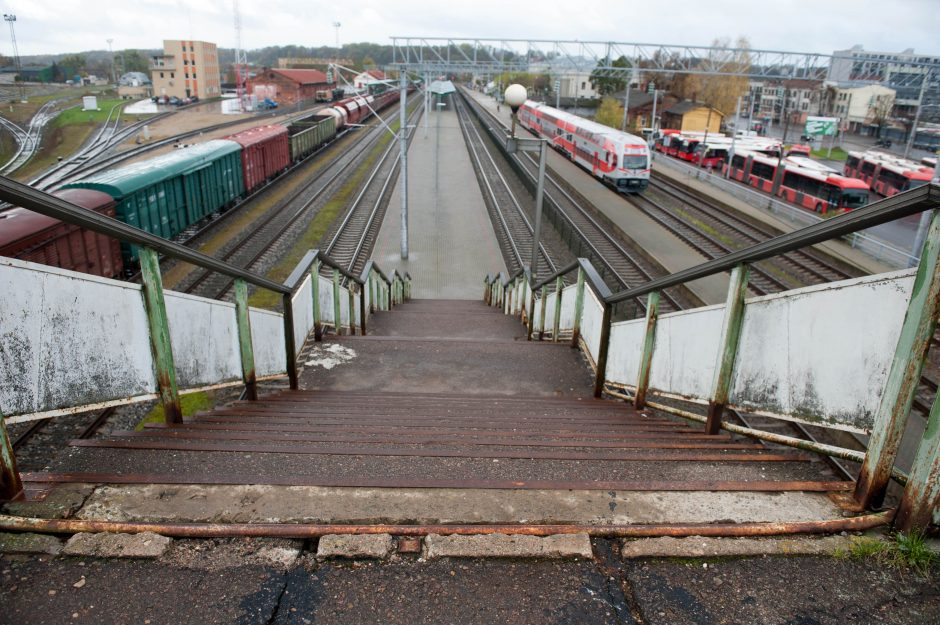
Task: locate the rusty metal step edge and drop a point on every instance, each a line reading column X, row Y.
column 176, row 434
column 349, row 482
column 425, row 452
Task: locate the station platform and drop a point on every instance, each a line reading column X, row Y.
column 443, row 414
column 452, row 245
column 663, row 246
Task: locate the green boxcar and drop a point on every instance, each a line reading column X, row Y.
column 306, row 135
column 168, row 193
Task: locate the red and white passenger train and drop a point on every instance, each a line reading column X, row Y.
column 620, row 159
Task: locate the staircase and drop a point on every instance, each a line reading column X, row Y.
column 442, row 394
column 445, row 415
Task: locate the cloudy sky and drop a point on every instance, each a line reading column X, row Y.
column 54, row 26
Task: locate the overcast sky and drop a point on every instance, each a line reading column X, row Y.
column 54, row 26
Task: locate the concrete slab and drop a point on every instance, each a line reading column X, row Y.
column 143, row 545
column 565, row 546
column 367, row 546
column 61, row 502
column 310, row 504
column 226, row 553
column 11, row 542
column 452, row 245
column 432, row 366
column 667, row 249
column 706, row 547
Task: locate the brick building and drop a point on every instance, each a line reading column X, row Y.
column 288, row 86
column 186, row 69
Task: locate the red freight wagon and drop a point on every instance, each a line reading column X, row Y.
column 265, row 153
column 34, row 237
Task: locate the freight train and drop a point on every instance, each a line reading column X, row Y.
column 619, row 159
column 167, row 194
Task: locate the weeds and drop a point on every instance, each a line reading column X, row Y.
column 904, row 550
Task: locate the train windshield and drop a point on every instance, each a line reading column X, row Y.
column 855, row 198
column 634, row 161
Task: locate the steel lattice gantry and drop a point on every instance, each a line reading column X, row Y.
column 559, row 57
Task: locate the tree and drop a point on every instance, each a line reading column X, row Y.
column 605, row 84
column 609, row 113
column 73, row 63
column 134, row 61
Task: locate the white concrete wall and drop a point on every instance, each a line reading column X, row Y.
column 686, row 350
column 69, row 339
column 822, row 354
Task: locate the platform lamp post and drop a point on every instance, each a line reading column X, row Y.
column 515, row 97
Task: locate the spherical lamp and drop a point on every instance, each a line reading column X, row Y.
column 515, row 96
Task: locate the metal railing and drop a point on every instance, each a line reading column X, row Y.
column 384, row 291
column 517, row 295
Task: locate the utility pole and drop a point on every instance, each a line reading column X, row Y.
column 734, row 136
column 920, row 105
column 111, row 54
column 653, row 120
column 336, row 26
column 10, row 18
column 403, row 176
column 241, row 59
column 626, row 106
column 778, row 177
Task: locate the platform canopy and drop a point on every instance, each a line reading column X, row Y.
column 441, row 87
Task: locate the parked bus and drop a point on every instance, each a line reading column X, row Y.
column 811, row 188
column 886, row 174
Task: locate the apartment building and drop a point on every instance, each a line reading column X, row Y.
column 186, row 69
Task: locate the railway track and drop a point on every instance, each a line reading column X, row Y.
column 28, row 139
column 513, row 226
column 259, row 244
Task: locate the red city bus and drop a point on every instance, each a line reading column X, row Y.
column 816, row 190
column 885, row 173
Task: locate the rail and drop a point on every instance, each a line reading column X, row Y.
column 214, row 344
column 855, row 366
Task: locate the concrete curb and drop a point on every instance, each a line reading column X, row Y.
column 505, row 546
column 366, row 546
column 13, row 542
column 143, row 545
column 699, row 546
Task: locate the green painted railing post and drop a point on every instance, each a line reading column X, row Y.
column 600, row 375
column 904, row 375
column 362, row 309
column 531, row 320
column 315, row 294
column 578, row 309
column 289, row 348
column 507, row 300
column 243, row 321
column 542, row 305
column 372, row 292
column 10, row 483
column 486, row 291
column 350, row 289
column 337, row 319
column 921, row 499
column 728, row 348
column 160, row 335
column 643, row 375
column 556, row 324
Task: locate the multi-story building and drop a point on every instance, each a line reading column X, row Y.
column 903, row 72
column 186, row 69
column 862, row 107
column 782, row 100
